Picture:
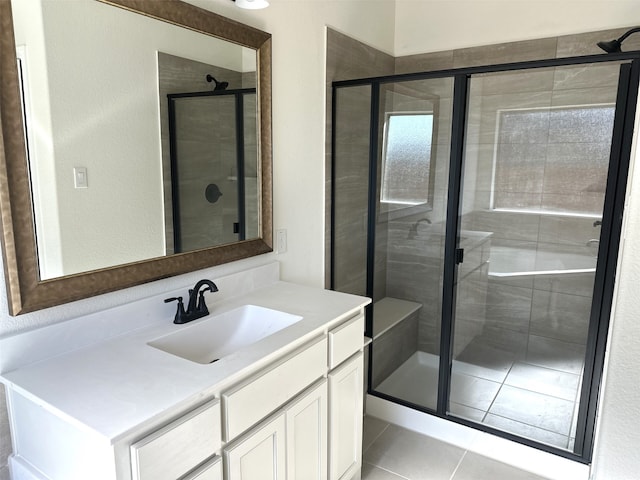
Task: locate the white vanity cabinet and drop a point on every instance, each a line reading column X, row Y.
column 291, row 444
column 327, row 417
column 346, row 399
column 292, row 414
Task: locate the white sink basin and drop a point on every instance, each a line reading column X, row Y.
column 209, row 340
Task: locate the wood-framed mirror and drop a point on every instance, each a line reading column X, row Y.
column 28, row 288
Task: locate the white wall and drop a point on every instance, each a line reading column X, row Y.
column 435, row 25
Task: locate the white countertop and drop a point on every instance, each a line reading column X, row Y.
column 117, row 386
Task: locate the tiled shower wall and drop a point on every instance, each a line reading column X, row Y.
column 348, row 59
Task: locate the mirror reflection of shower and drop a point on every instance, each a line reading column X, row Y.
column 219, row 86
column 210, row 205
column 209, row 152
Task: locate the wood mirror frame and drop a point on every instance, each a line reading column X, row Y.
column 25, row 291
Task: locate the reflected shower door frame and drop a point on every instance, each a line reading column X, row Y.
column 241, row 229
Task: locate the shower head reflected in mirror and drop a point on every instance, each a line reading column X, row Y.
column 219, row 86
column 613, row 46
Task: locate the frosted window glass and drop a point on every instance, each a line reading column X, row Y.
column 407, row 158
column 554, row 159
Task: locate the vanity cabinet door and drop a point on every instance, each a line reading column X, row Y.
column 259, row 455
column 345, row 419
column 307, row 435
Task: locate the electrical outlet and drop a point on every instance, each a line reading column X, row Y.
column 281, row 241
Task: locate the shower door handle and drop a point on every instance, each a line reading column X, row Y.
column 459, row 255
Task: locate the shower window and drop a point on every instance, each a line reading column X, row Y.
column 538, row 152
column 406, row 165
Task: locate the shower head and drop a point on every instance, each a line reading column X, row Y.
column 613, row 46
column 219, row 85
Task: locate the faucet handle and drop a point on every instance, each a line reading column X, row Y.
column 202, row 305
column 180, row 313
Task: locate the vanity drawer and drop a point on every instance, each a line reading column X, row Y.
column 345, row 340
column 255, row 398
column 180, row 446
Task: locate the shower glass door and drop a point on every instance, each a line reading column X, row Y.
column 535, row 168
column 412, row 161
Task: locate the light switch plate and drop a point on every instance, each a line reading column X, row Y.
column 80, row 177
column 281, row 241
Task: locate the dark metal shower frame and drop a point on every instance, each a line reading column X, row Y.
column 238, row 95
column 611, row 229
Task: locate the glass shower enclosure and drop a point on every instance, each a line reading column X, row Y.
column 481, row 210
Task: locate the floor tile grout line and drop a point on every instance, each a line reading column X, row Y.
column 387, row 470
column 539, row 393
column 455, row 470
column 377, row 436
column 497, row 393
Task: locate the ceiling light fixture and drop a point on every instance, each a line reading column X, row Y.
column 252, row 4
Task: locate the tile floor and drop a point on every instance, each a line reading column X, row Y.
column 529, row 400
column 394, row 453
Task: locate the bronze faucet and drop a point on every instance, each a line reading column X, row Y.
column 197, row 307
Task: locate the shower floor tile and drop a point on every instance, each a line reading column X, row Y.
column 527, row 431
column 544, row 380
column 534, row 409
column 402, row 382
column 484, row 361
column 473, row 392
column 532, row 401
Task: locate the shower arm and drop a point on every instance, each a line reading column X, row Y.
column 626, row 34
